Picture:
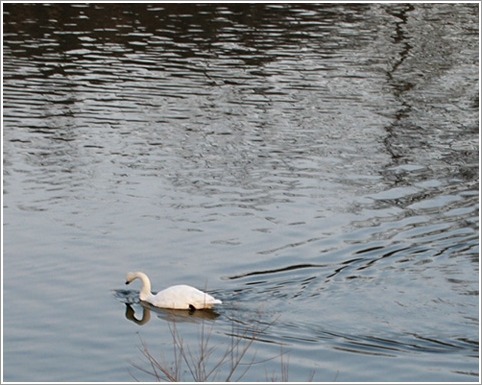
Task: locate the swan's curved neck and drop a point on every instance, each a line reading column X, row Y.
column 146, row 285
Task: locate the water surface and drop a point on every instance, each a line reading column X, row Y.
column 313, row 166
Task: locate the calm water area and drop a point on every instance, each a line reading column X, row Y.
column 314, row 166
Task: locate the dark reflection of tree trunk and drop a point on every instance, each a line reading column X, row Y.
column 400, row 86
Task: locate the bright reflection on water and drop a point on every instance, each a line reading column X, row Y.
column 313, row 166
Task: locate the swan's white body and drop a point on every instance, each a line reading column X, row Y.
column 174, row 297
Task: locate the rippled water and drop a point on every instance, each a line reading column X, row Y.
column 314, row 166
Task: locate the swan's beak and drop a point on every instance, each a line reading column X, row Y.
column 127, row 282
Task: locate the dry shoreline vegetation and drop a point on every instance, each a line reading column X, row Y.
column 204, row 361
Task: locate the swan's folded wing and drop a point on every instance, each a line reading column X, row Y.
column 183, row 297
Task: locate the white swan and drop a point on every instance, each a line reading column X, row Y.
column 174, row 297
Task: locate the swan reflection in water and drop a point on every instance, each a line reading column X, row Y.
column 168, row 314
column 131, row 299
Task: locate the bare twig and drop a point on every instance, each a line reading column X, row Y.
column 205, row 362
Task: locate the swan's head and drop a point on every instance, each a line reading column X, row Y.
column 130, row 277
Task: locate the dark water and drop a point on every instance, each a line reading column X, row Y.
column 314, row 166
